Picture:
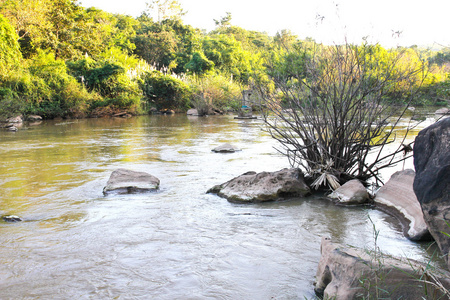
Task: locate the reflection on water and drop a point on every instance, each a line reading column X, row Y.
column 177, row 243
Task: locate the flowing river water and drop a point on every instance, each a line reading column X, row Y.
column 177, row 243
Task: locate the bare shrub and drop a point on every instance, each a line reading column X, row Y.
column 335, row 110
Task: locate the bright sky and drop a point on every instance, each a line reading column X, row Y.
column 420, row 22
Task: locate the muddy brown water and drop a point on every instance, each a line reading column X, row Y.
column 177, row 243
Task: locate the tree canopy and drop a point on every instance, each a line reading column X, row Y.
column 61, row 59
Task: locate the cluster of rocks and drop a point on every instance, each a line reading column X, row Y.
column 124, row 181
column 421, row 201
column 14, row 123
column 396, row 198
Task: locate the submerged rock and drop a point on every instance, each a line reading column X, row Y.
column 397, row 197
column 127, row 181
column 192, row 112
column 352, row 192
column 349, row 273
column 166, row 111
column 12, row 128
column 34, row 118
column 226, row 148
column 432, row 181
column 11, row 219
column 264, row 186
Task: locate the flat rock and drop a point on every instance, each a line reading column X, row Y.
column 226, row 148
column 352, row 192
column 432, row 181
column 128, row 181
column 442, row 111
column 11, row 219
column 265, row 186
column 346, row 273
column 397, row 198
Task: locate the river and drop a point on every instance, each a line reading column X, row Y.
column 177, row 243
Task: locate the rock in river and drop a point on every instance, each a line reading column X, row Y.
column 352, row 192
column 397, row 197
column 346, row 273
column 264, row 186
column 226, row 148
column 432, row 181
column 11, row 219
column 127, row 181
column 443, row 111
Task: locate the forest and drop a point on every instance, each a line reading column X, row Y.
column 59, row 59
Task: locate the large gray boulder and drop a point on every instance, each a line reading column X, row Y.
column 128, row 181
column 349, row 273
column 264, row 186
column 432, row 182
column 397, row 198
column 352, row 192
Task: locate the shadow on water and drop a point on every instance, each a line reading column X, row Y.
column 176, row 243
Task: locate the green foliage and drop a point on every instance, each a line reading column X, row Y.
column 165, row 92
column 9, row 47
column 199, row 64
column 113, row 76
column 284, row 39
column 55, row 92
column 156, row 48
column 224, row 21
column 228, row 56
column 45, row 88
column 51, row 50
column 10, row 106
column 167, row 44
column 217, row 91
column 97, row 76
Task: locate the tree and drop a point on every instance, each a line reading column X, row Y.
column 228, row 56
column 168, row 44
column 165, row 91
column 199, row 64
column 165, row 9
column 29, row 19
column 224, row 21
column 9, row 47
column 285, row 39
column 335, row 124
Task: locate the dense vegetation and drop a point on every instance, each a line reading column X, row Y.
column 59, row 59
